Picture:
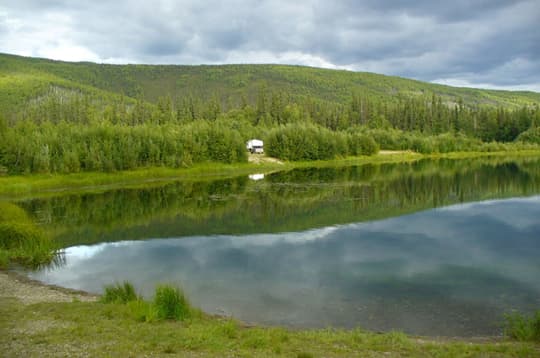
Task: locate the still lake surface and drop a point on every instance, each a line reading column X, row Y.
column 435, row 247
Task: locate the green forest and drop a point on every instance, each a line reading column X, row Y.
column 59, row 117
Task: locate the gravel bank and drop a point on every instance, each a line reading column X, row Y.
column 13, row 285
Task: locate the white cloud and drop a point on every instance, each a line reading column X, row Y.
column 457, row 82
column 289, row 57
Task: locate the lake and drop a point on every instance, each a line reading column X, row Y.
column 434, row 247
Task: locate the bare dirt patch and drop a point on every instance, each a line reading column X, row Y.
column 391, row 152
column 30, row 336
column 261, row 158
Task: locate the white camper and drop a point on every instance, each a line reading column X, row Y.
column 255, row 146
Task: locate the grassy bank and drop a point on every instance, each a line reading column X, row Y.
column 114, row 329
column 34, row 185
column 97, row 181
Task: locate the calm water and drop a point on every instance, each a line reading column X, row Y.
column 345, row 247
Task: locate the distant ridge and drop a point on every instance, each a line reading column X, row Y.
column 23, row 79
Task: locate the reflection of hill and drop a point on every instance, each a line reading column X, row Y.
column 286, row 201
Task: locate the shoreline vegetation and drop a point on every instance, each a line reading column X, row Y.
column 34, row 185
column 41, row 320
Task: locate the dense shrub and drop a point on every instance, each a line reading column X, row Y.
column 390, row 139
column 70, row 148
column 442, row 143
column 362, row 144
column 447, row 142
column 303, row 142
column 310, row 142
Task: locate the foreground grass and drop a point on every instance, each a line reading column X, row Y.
column 40, row 185
column 99, row 329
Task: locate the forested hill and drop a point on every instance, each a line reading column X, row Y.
column 70, row 117
column 25, row 79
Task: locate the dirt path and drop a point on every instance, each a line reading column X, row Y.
column 391, row 152
column 13, row 285
column 261, row 158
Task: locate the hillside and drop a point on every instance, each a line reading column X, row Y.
column 25, row 79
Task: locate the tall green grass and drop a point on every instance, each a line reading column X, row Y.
column 21, row 241
column 119, row 293
column 169, row 303
column 522, row 328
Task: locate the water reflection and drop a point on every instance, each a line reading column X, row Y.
column 449, row 271
column 256, row 177
column 294, row 200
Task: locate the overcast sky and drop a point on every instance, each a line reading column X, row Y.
column 481, row 43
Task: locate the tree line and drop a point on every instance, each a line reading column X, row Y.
column 69, row 131
column 427, row 114
column 72, row 147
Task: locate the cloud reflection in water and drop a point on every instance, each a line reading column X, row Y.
column 448, row 271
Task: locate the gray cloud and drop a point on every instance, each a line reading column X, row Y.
column 471, row 42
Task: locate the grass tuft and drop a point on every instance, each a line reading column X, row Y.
column 171, row 303
column 523, row 328
column 119, row 293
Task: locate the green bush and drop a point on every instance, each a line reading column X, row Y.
column 532, row 135
column 423, row 145
column 391, row 139
column 362, row 144
column 522, row 328
column 14, row 235
column 21, row 240
column 171, row 303
column 119, row 293
column 12, row 212
column 304, row 141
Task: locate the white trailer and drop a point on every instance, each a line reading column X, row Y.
column 255, row 146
